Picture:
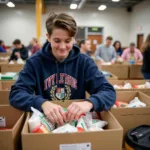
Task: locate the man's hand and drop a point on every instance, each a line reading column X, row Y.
column 76, row 109
column 54, row 112
column 17, row 54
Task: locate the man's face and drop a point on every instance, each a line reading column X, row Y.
column 61, row 43
column 18, row 46
column 87, row 46
column 132, row 49
column 108, row 42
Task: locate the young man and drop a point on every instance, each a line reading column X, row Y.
column 106, row 52
column 85, row 47
column 19, row 51
column 132, row 53
column 60, row 72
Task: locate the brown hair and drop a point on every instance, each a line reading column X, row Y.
column 62, row 21
column 109, row 38
column 16, row 42
column 146, row 44
column 132, row 44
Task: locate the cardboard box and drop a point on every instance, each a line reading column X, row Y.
column 6, row 85
column 132, row 117
column 139, row 82
column 4, row 97
column 11, row 67
column 98, row 140
column 119, row 82
column 135, row 72
column 11, row 139
column 120, row 70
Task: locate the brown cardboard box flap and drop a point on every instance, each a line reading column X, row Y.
column 11, row 139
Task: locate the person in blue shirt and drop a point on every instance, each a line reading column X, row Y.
column 117, row 46
column 60, row 72
column 1, row 47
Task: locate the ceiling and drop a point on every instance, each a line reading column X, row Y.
column 86, row 3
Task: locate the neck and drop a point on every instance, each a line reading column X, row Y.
column 83, row 51
column 107, row 45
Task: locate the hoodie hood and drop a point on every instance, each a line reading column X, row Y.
column 46, row 52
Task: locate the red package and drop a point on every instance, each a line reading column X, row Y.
column 40, row 129
column 121, row 104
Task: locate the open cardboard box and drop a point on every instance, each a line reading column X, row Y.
column 11, row 139
column 120, row 70
column 139, row 82
column 6, row 84
column 135, row 72
column 132, row 117
column 119, row 82
column 98, row 140
column 11, row 67
column 5, row 87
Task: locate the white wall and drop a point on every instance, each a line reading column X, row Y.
column 140, row 17
column 19, row 22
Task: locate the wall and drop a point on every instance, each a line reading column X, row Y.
column 140, row 17
column 19, row 22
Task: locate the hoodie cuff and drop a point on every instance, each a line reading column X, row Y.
column 38, row 103
column 96, row 105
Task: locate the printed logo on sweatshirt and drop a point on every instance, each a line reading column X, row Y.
column 63, row 79
column 60, row 93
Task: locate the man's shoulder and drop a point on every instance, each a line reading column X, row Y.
column 100, row 46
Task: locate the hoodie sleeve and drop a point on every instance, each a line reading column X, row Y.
column 22, row 92
column 103, row 95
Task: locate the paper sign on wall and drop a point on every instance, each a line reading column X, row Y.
column 94, row 41
column 81, row 146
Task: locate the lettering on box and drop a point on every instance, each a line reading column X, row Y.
column 79, row 146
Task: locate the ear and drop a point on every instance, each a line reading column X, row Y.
column 48, row 37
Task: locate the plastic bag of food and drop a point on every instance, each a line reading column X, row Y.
column 65, row 128
column 44, row 120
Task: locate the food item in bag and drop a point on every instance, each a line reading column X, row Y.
column 67, row 128
column 98, row 123
column 121, row 104
column 40, row 129
column 81, row 124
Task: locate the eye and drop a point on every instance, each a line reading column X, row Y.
column 57, row 41
column 68, row 41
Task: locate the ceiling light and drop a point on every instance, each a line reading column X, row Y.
column 115, row 0
column 102, row 7
column 10, row 4
column 73, row 6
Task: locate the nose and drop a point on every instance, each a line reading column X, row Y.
column 62, row 45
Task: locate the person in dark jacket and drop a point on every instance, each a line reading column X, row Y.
column 146, row 58
column 19, row 51
column 60, row 72
column 117, row 46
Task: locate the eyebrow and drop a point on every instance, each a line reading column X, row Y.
column 59, row 39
